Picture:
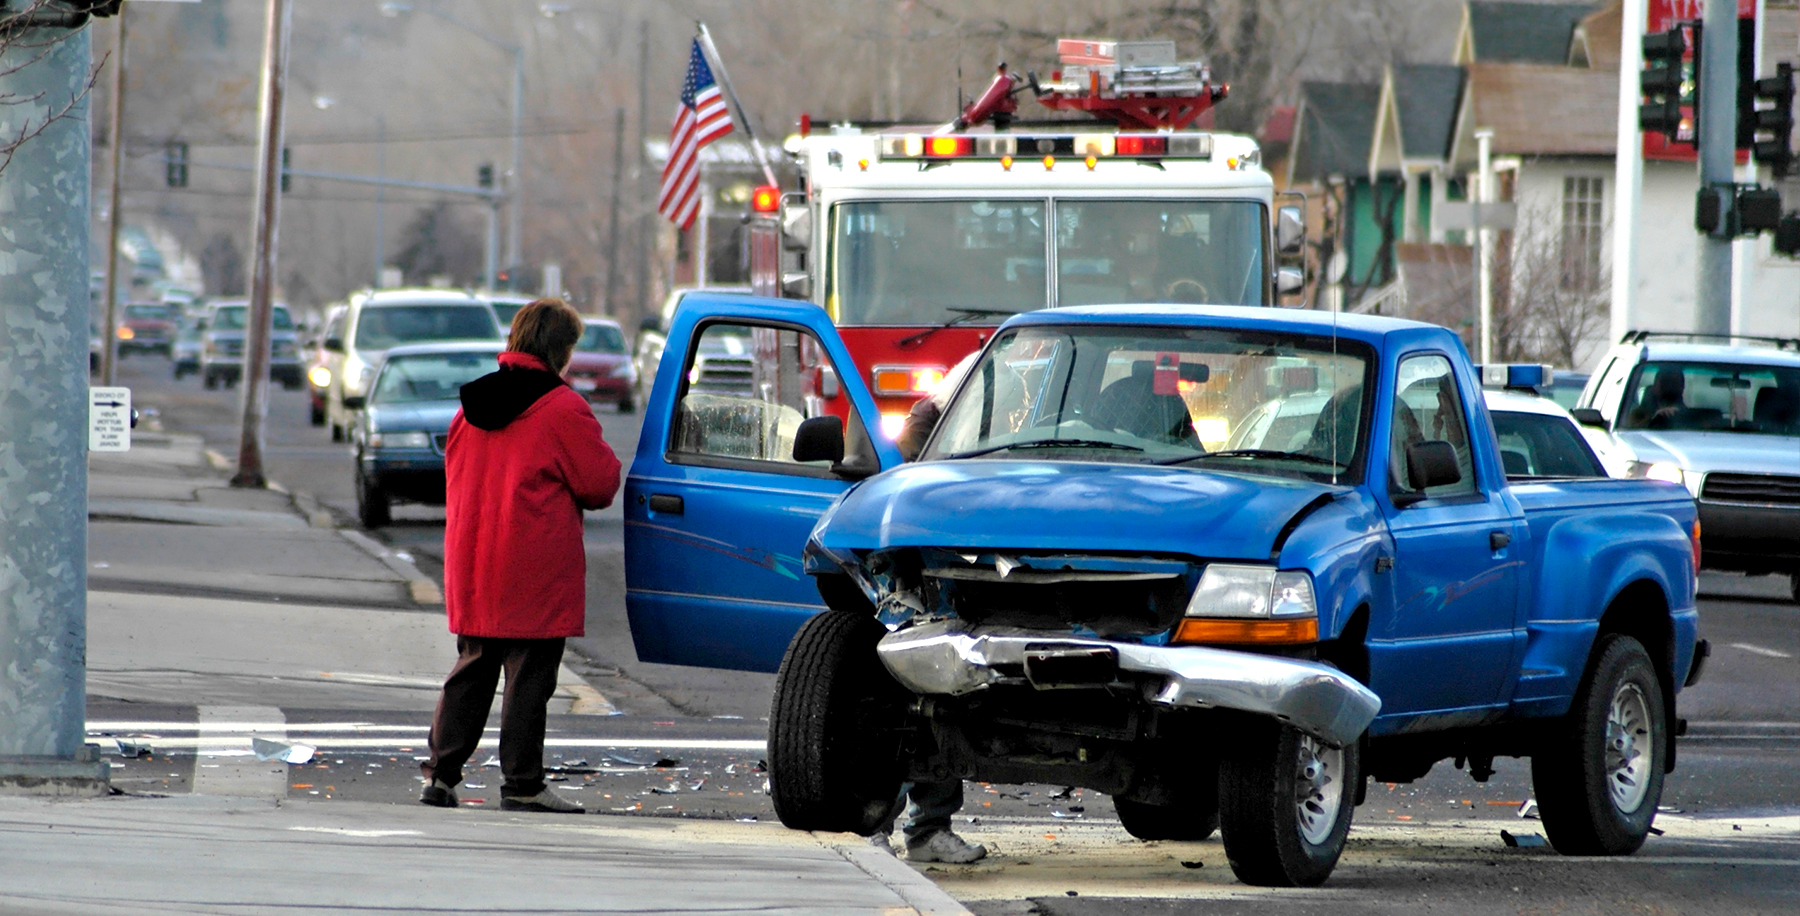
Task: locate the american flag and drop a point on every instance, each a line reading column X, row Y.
column 702, row 119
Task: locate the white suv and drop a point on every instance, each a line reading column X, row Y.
column 1723, row 419
column 376, row 321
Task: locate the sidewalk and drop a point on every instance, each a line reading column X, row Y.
column 196, row 854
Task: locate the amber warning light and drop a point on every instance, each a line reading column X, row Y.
column 765, row 199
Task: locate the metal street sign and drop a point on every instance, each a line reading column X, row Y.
column 1460, row 214
column 109, row 419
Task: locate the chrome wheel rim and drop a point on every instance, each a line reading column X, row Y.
column 1318, row 789
column 1628, row 748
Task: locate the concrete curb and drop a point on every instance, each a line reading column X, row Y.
column 424, row 591
column 308, row 506
column 919, row 892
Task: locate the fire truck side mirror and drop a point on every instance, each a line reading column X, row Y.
column 796, row 285
column 1289, row 281
column 1290, row 230
column 796, row 224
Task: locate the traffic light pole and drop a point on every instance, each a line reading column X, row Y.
column 1628, row 173
column 115, row 138
column 1718, row 157
column 43, row 429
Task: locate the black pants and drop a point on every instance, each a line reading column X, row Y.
column 531, row 666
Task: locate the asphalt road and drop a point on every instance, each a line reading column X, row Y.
column 1731, row 810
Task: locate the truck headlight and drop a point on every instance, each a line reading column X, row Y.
column 410, row 439
column 1251, row 604
column 320, row 376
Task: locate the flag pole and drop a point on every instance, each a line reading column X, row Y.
column 731, row 99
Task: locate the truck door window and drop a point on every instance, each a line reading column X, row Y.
column 912, row 262
column 746, row 390
column 1203, row 251
column 1429, row 408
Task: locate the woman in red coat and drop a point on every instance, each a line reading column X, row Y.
column 524, row 458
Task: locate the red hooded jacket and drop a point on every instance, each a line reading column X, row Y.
column 523, row 459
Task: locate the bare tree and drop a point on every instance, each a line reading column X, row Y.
column 1552, row 285
column 24, row 41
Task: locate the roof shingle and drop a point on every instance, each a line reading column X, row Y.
column 1524, row 32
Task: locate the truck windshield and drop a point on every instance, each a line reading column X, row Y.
column 1202, row 397
column 916, row 263
column 1719, row 397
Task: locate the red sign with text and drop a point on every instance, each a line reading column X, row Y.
column 1661, row 16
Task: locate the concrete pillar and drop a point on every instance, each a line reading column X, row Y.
column 44, row 315
column 1409, row 203
column 1440, row 182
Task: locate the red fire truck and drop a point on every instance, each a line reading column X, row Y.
column 919, row 241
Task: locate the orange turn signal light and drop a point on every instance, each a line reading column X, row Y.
column 1239, row 631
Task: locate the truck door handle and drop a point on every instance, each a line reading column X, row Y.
column 663, row 502
column 1496, row 539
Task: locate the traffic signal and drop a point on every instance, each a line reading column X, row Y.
column 1714, row 214
column 1766, row 119
column 484, row 176
column 177, row 164
column 1759, row 210
column 287, row 181
column 1787, row 235
column 1666, row 81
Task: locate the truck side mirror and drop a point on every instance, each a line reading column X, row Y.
column 1588, row 416
column 334, row 344
column 1288, row 281
column 796, row 224
column 1431, row 463
column 1290, row 230
column 797, row 285
column 820, row 439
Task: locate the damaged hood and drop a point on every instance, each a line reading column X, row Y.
column 1066, row 506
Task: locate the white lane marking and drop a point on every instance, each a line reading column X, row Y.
column 241, row 775
column 345, row 831
column 238, row 745
column 1760, row 650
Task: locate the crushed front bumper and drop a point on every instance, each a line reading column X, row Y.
column 946, row 658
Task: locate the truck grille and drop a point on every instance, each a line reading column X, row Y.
column 1757, row 489
column 724, row 375
column 1106, row 595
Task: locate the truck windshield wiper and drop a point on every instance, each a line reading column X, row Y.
column 968, row 314
column 1256, row 453
column 1047, row 443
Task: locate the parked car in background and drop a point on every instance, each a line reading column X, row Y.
column 186, row 349
column 1565, row 388
column 403, row 423
column 601, row 368
column 147, row 327
column 222, row 345
column 506, row 305
column 1723, row 420
column 318, row 361
column 654, row 332
column 376, row 321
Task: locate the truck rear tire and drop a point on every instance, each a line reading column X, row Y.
column 1599, row 777
column 1193, row 817
column 1285, row 803
column 835, row 724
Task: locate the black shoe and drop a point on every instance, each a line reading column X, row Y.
column 545, row 801
column 439, row 794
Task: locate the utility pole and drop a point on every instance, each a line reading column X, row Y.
column 1628, row 170
column 115, row 137
column 611, row 306
column 515, row 206
column 1718, row 159
column 43, row 428
column 641, row 213
column 265, row 228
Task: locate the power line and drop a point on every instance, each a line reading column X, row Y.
column 364, row 139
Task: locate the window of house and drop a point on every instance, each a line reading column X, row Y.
column 1582, row 228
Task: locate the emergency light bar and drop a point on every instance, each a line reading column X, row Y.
column 1006, row 146
column 1516, row 375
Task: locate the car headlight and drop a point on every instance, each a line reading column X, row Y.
column 1251, row 604
column 320, row 376
column 1665, row 471
column 410, row 439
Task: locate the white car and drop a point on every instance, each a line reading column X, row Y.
column 375, row 321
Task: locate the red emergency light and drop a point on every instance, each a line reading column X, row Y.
column 1138, row 145
column 945, row 147
column 765, row 199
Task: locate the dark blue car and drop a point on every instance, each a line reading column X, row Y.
column 402, row 424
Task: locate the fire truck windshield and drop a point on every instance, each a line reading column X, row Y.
column 915, row 262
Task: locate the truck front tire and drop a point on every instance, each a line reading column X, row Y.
column 835, row 759
column 1285, row 803
column 1599, row 776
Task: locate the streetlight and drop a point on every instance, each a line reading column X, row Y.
column 514, row 216
column 326, row 103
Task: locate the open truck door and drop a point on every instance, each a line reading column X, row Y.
column 718, row 504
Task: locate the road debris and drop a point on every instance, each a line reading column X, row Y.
column 1523, row 840
column 276, row 750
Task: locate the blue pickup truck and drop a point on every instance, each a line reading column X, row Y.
column 1082, row 581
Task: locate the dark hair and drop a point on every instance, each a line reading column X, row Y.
column 546, row 329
